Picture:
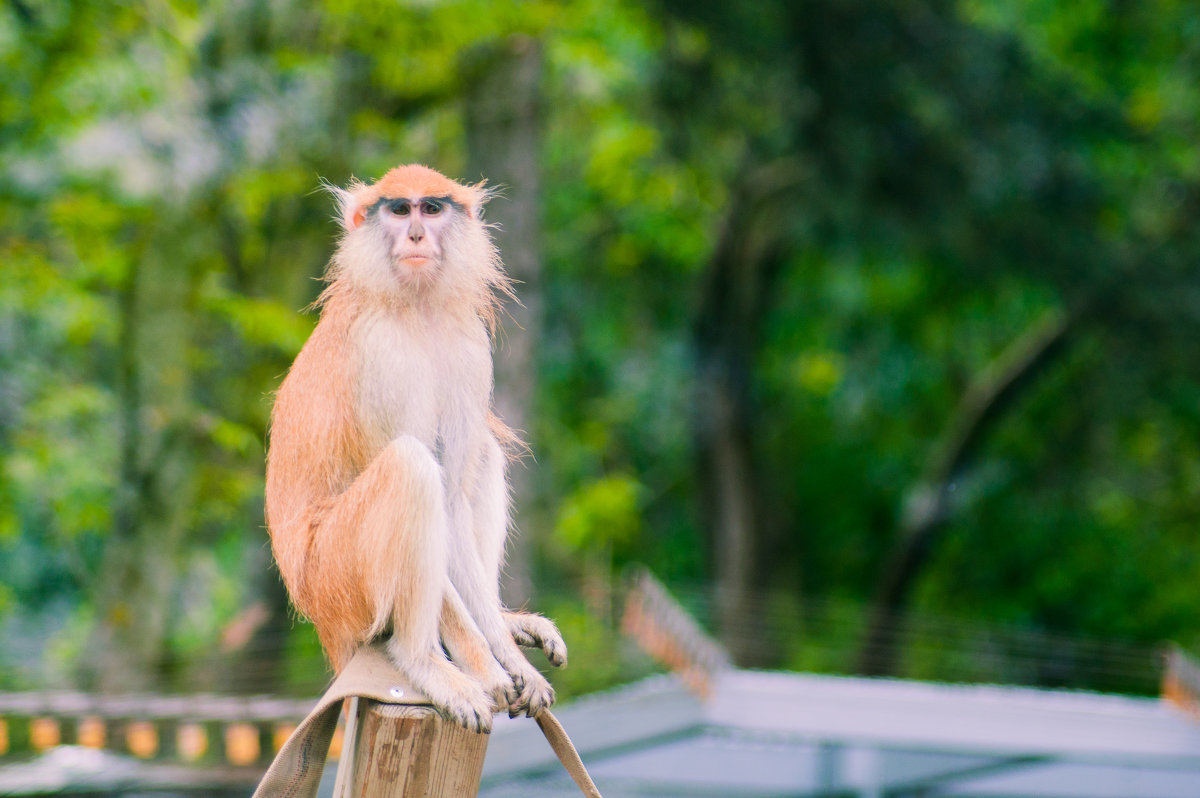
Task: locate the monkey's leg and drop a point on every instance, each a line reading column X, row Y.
column 530, row 630
column 475, row 571
column 384, row 540
column 534, row 692
column 470, row 651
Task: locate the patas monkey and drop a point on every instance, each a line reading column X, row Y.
column 386, row 494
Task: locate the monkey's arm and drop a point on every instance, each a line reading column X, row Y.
column 490, row 516
column 479, row 525
column 468, row 648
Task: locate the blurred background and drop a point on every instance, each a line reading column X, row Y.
column 869, row 328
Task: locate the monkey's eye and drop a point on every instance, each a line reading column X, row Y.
column 401, row 207
column 431, row 207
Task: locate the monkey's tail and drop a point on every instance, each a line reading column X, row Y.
column 564, row 749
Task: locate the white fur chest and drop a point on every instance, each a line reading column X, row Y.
column 426, row 377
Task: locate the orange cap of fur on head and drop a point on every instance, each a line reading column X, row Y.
column 410, row 180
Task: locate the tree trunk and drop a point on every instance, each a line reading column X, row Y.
column 725, row 335
column 503, row 129
column 928, row 503
column 132, row 594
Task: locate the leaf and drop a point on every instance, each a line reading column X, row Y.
column 601, row 513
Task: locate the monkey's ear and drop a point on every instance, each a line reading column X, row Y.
column 478, row 196
column 350, row 212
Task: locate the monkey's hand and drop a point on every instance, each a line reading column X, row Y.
column 534, row 693
column 530, row 630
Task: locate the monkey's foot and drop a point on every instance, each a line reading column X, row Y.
column 530, row 630
column 472, row 712
column 499, row 687
column 459, row 698
column 534, row 692
column 462, row 701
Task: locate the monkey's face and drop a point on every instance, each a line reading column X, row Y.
column 415, row 231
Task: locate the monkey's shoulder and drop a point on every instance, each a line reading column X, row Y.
column 320, row 371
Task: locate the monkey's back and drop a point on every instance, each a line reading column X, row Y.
column 315, row 449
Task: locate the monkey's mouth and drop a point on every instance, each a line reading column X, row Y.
column 416, row 263
column 419, row 268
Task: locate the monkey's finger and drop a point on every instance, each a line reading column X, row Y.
column 556, row 652
column 510, row 696
column 521, row 704
column 554, row 648
column 524, row 639
column 517, row 696
column 541, row 700
column 551, row 645
column 502, row 697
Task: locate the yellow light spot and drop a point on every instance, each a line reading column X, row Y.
column 241, row 744
column 44, row 733
column 191, row 741
column 141, row 737
column 281, row 734
column 91, row 732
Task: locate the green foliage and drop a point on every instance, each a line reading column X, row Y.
column 962, row 169
column 600, row 515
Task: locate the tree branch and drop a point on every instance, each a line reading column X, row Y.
column 928, row 502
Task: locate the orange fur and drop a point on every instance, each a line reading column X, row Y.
column 414, row 180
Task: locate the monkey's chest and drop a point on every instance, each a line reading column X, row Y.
column 432, row 384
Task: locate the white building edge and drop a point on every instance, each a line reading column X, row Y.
column 788, row 734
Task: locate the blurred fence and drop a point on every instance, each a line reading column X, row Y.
column 789, row 633
column 200, row 729
column 826, row 635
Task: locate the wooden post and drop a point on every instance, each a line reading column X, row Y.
column 403, row 751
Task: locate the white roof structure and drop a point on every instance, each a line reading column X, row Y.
column 785, row 734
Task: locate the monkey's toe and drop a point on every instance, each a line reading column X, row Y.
column 473, row 713
column 478, row 720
